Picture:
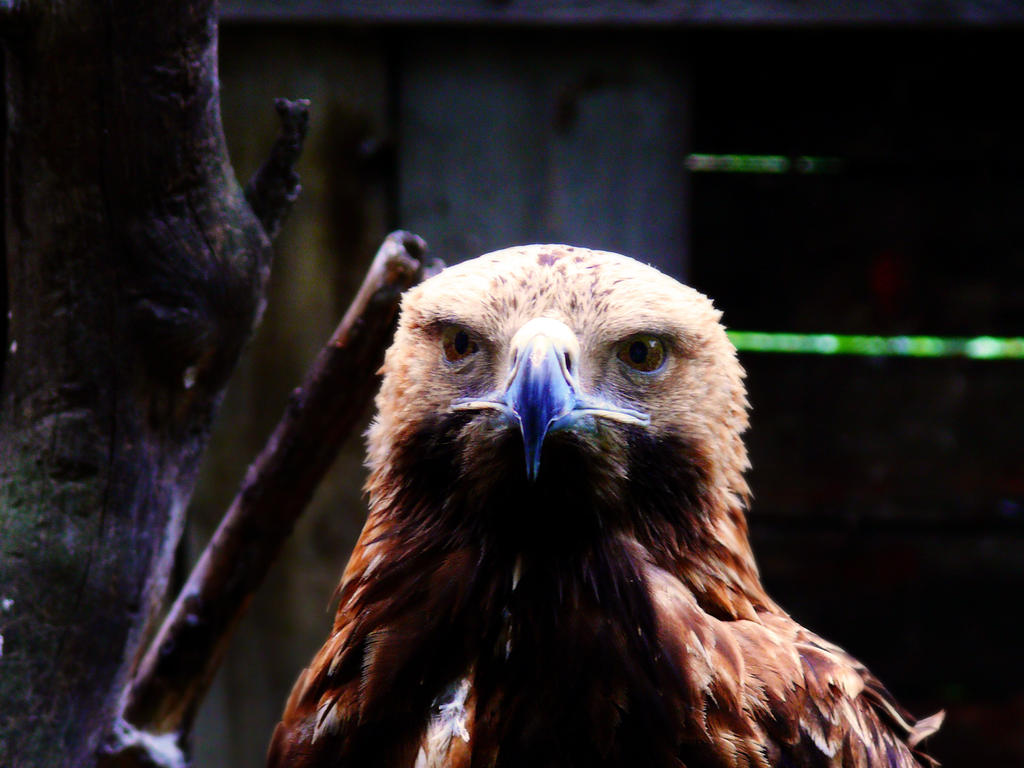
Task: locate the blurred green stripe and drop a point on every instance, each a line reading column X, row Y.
column 977, row 348
column 708, row 163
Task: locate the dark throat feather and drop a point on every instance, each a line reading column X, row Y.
column 534, row 589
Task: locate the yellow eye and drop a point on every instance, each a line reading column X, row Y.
column 457, row 344
column 642, row 352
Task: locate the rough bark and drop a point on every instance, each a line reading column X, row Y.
column 136, row 271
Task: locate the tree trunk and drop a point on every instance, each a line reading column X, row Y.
column 135, row 273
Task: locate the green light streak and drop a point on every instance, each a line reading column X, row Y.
column 705, row 163
column 977, row 348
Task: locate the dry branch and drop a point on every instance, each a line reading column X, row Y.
column 180, row 663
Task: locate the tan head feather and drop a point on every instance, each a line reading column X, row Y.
column 604, row 298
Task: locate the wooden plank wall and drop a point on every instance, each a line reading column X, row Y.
column 868, row 526
column 545, row 138
column 475, row 147
column 726, row 13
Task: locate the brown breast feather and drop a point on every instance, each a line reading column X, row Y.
column 761, row 692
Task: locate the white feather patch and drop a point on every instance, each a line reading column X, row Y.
column 448, row 722
column 818, row 737
column 327, row 719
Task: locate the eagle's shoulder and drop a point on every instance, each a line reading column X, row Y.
column 766, row 689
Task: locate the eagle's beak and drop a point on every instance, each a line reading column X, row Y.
column 542, row 393
column 540, row 390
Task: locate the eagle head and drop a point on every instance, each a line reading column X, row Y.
column 546, row 396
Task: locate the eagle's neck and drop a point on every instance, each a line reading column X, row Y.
column 661, row 496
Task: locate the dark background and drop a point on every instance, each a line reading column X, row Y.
column 888, row 511
column 889, row 493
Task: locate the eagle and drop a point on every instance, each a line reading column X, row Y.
column 555, row 568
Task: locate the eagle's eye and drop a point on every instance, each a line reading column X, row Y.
column 457, row 344
column 642, row 352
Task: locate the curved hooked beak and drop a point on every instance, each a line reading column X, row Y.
column 542, row 394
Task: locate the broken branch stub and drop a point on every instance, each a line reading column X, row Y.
column 275, row 187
